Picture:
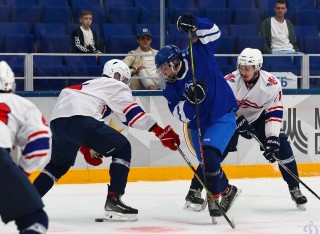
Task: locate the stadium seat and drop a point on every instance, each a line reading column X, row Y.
column 147, row 4
column 219, row 15
column 274, row 60
column 54, row 44
column 18, row 43
column 243, row 42
column 224, row 30
column 154, row 28
column 116, row 3
column 30, row 14
column 53, row 3
column 265, row 5
column 14, row 28
column 246, row 16
column 155, row 44
column 4, row 13
column 21, row 2
column 179, row 4
column 248, row 30
column 309, row 44
column 299, row 4
column 284, row 68
column 204, row 4
column 307, row 17
column 124, row 15
column 236, row 4
column 56, row 14
column 82, row 66
column 174, row 13
column 152, row 16
column 225, row 45
column 121, row 44
column 49, row 29
column 181, row 41
column 16, row 62
column 306, row 30
column 173, row 31
column 110, row 30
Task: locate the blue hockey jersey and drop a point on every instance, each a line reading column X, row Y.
column 219, row 99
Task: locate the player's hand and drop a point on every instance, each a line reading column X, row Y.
column 244, row 128
column 272, row 147
column 186, row 22
column 167, row 137
column 91, row 157
column 200, row 88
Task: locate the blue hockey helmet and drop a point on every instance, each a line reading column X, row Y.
column 169, row 55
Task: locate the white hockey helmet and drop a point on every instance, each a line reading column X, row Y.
column 7, row 81
column 117, row 67
column 249, row 57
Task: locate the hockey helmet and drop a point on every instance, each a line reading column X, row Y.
column 249, row 57
column 115, row 67
column 7, row 81
column 166, row 56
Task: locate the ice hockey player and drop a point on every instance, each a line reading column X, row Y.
column 21, row 124
column 259, row 95
column 77, row 120
column 217, row 106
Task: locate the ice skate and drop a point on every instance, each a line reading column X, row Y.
column 298, row 198
column 116, row 210
column 229, row 198
column 194, row 201
column 213, row 208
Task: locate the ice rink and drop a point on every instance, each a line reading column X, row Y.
column 264, row 206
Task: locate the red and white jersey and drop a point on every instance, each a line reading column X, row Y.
column 265, row 96
column 28, row 129
column 97, row 98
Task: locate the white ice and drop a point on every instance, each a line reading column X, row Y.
column 264, row 206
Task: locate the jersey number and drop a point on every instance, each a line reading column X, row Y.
column 4, row 111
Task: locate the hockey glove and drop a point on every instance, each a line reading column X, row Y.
column 200, row 88
column 186, row 22
column 91, row 157
column 167, row 136
column 244, row 128
column 272, row 147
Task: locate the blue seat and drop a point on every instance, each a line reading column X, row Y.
column 306, row 30
column 49, row 29
column 225, row 45
column 246, row 16
column 204, row 4
column 4, row 13
column 21, row 2
column 154, row 28
column 52, row 3
column 219, row 15
column 82, row 66
column 305, row 4
column 116, row 3
column 110, row 30
column 222, row 60
column 147, row 4
column 121, row 44
column 14, row 28
column 85, row 3
column 30, row 14
column 307, row 17
column 176, row 12
column 236, row 4
column 178, row 4
column 54, row 44
column 309, row 44
column 181, row 41
column 18, row 43
column 284, row 68
column 249, row 30
column 173, row 31
column 274, row 60
column 224, row 29
column 265, row 5
column 56, row 14
column 243, row 42
column 124, row 15
column 152, row 16
column 16, row 62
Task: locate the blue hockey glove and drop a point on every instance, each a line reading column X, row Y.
column 201, row 89
column 272, row 147
column 186, row 22
column 244, row 128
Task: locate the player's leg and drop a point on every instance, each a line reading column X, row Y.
column 109, row 142
column 19, row 200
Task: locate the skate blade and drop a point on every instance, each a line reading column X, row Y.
column 301, row 207
column 214, row 220
column 113, row 216
column 204, row 204
column 235, row 198
column 192, row 207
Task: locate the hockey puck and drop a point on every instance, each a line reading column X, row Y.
column 99, row 220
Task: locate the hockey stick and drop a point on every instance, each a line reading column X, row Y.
column 196, row 105
column 231, row 223
column 285, row 167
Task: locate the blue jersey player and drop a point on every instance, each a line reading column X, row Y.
column 217, row 106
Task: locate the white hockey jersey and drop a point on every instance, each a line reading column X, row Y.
column 265, row 96
column 27, row 129
column 99, row 97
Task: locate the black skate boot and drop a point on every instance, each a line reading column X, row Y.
column 298, row 198
column 116, row 210
column 194, row 201
column 229, row 197
column 213, row 208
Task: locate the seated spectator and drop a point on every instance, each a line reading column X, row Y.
column 278, row 33
column 143, row 66
column 85, row 39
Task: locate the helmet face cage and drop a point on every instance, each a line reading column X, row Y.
column 250, row 57
column 7, row 80
column 166, row 57
column 117, row 69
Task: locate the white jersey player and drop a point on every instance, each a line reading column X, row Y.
column 259, row 96
column 77, row 121
column 21, row 124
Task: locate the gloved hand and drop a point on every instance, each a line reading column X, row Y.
column 167, row 136
column 201, row 89
column 244, row 128
column 91, row 157
column 272, row 147
column 186, row 22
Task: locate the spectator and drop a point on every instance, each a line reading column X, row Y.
column 143, row 66
column 278, row 33
column 85, row 39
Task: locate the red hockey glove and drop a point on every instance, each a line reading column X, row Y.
column 167, row 136
column 91, row 157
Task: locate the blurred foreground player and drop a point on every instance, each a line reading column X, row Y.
column 77, row 121
column 21, row 124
